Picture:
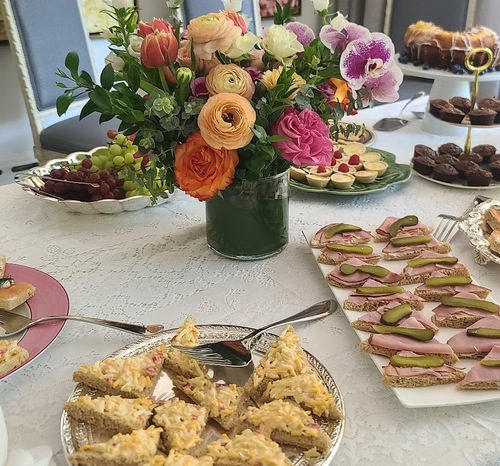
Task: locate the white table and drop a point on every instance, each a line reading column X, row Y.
column 154, row 266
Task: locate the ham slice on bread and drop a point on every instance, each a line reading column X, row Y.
column 383, row 231
column 321, row 237
column 329, row 257
column 393, row 252
column 475, row 347
column 460, row 316
column 483, row 376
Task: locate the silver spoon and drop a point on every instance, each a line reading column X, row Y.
column 394, row 123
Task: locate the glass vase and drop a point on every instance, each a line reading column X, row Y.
column 249, row 221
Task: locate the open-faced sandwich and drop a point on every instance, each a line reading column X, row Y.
column 340, row 233
column 439, row 285
column 335, row 253
column 409, row 247
column 409, row 225
column 485, row 375
column 176, row 458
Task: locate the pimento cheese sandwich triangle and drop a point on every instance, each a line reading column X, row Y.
column 11, row 355
column 176, row 458
column 130, row 377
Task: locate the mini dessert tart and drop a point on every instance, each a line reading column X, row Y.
column 317, row 180
column 354, row 148
column 319, row 170
column 424, row 165
column 342, row 180
column 380, row 167
column 355, row 161
column 478, row 177
column 298, row 174
column 464, row 166
column 423, row 150
column 344, row 167
column 370, row 157
column 436, row 105
column 365, row 176
column 462, row 103
column 451, row 114
column 450, row 148
column 482, row 117
column 445, row 172
column 446, row 158
column 495, row 170
column 485, row 151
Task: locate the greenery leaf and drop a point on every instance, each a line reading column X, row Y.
column 107, row 77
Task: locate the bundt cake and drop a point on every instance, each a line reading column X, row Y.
column 436, row 47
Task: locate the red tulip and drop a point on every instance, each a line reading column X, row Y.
column 159, row 49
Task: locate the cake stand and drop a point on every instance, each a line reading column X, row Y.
column 447, row 85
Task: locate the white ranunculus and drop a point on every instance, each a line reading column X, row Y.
column 320, row 5
column 116, row 62
column 281, row 44
column 339, row 22
column 232, row 5
column 242, row 45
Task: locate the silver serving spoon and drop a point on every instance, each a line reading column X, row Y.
column 394, row 123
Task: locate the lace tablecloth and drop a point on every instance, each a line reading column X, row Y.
column 153, row 266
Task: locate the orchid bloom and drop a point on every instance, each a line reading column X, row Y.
column 340, row 32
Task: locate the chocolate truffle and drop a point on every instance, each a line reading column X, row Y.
column 450, row 148
column 451, row 115
column 482, row 116
column 485, row 151
column 478, row 177
column 495, row 169
column 436, row 105
column 462, row 103
column 421, row 149
column 423, row 165
column 445, row 172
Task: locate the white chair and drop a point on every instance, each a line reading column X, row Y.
column 41, row 33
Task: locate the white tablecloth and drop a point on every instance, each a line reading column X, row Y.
column 154, row 266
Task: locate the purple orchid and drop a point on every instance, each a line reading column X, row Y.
column 337, row 40
column 385, row 88
column 367, row 59
column 305, row 35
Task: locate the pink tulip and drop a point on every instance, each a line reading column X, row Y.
column 145, row 29
column 159, row 49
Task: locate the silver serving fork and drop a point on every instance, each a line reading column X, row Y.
column 448, row 224
column 238, row 352
column 14, row 323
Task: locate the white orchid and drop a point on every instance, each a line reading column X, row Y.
column 320, row 5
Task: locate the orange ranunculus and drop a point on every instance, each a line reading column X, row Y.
column 226, row 120
column 211, row 33
column 230, row 78
column 341, row 91
column 201, row 170
column 270, row 79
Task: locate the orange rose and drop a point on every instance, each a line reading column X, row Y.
column 201, row 170
column 341, row 91
column 226, row 120
column 230, row 78
column 211, row 33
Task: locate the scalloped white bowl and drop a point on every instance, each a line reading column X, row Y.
column 105, row 206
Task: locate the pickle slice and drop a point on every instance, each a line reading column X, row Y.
column 415, row 263
column 375, row 270
column 430, row 360
column 370, row 290
column 484, row 332
column 491, row 362
column 355, row 248
column 411, row 240
column 340, row 228
column 449, row 281
column 409, row 220
column 420, row 334
column 454, row 301
column 394, row 315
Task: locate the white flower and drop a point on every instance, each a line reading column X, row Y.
column 107, row 34
column 339, row 22
column 242, row 45
column 134, row 48
column 232, row 5
column 116, row 62
column 321, row 5
column 281, row 44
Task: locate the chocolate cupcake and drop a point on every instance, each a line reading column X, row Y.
column 485, row 151
column 445, row 172
column 436, row 105
column 493, row 104
column 475, row 157
column 494, row 158
column 464, row 166
column 450, row 148
column 478, row 177
column 446, row 158
column 482, row 116
column 462, row 103
column 451, row 115
column 495, row 169
column 424, row 165
column 423, row 150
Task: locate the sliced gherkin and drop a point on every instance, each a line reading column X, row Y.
column 375, row 270
column 369, row 290
column 415, row 263
column 455, row 301
column 410, row 240
column 354, row 248
column 340, row 228
column 430, row 360
column 484, row 332
column 490, row 362
column 449, row 280
column 394, row 315
column 415, row 333
column 409, row 220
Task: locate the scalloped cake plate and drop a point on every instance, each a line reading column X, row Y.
column 74, row 434
column 105, row 206
column 422, row 397
column 396, row 173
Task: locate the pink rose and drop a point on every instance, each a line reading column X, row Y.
column 308, row 138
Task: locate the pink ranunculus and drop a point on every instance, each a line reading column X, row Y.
column 159, row 49
column 238, row 20
column 308, row 138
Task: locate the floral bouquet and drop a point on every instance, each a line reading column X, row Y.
column 210, row 104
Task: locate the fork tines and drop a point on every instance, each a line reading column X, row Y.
column 203, row 355
column 446, row 228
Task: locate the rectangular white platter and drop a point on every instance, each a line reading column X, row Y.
column 422, row 397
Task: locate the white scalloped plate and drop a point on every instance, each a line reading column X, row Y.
column 105, row 206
